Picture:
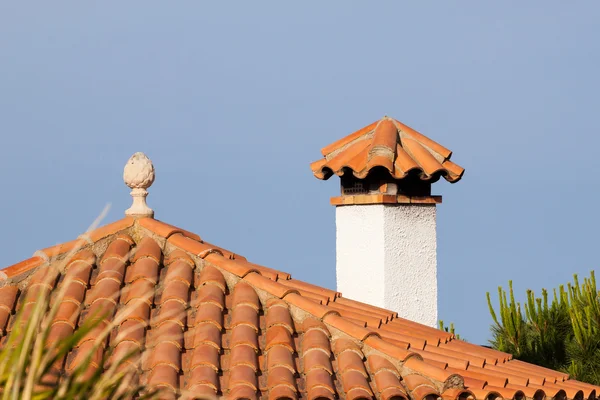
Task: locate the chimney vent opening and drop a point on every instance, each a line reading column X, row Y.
column 381, row 182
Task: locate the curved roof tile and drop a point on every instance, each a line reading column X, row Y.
column 388, row 144
column 211, row 323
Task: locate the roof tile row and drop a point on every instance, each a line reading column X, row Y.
column 204, row 321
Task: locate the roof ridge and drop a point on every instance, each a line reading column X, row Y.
column 50, row 254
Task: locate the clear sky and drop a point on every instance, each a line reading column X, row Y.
column 232, row 101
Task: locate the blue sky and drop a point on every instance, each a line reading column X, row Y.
column 233, row 101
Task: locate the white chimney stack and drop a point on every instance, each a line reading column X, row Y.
column 386, row 216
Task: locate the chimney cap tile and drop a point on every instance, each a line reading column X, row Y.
column 388, row 144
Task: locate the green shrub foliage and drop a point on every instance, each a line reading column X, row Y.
column 561, row 333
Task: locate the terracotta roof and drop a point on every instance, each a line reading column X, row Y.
column 388, row 144
column 216, row 324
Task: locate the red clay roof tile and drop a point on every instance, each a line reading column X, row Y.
column 209, row 295
column 244, row 294
column 485, row 393
column 515, row 379
column 387, row 348
column 588, row 390
column 131, row 331
column 451, row 360
column 164, row 376
column 572, row 393
column 280, row 356
column 8, row 295
column 216, row 337
column 278, row 314
column 282, row 392
column 316, row 359
column 419, row 386
column 281, row 376
column 317, row 298
column 211, row 276
column 239, row 268
column 315, row 340
column 205, row 355
column 348, row 139
column 491, row 356
column 407, row 341
column 165, row 230
column 244, row 335
column 491, row 379
column 350, row 328
column 62, row 248
column 271, row 273
column 201, row 248
column 244, row 314
column 377, row 363
column 365, row 308
column 391, row 145
column 350, row 361
column 22, row 267
column 355, row 385
column 141, row 289
column 243, row 375
column 269, row 286
column 305, row 287
column 387, row 382
column 244, row 355
column 457, row 394
column 279, row 336
column 407, row 334
column 110, row 229
column 345, row 311
column 393, row 394
column 242, row 391
column 207, row 333
column 506, row 392
column 429, row 370
column 529, row 391
column 319, row 378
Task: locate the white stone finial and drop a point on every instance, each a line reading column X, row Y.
column 139, row 175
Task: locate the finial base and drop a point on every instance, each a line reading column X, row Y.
column 139, row 208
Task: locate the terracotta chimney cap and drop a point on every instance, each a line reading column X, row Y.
column 388, row 144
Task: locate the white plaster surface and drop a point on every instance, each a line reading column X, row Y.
column 360, row 253
column 386, row 256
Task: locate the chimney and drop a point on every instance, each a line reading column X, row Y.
column 386, row 216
